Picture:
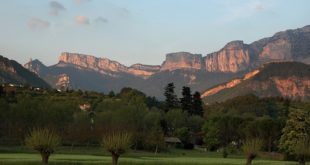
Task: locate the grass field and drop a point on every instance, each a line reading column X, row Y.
column 95, row 156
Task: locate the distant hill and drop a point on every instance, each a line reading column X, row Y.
column 284, row 79
column 200, row 72
column 13, row 72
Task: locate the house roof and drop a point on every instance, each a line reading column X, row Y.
column 172, row 140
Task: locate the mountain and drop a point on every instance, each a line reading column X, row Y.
column 199, row 72
column 283, row 79
column 13, row 72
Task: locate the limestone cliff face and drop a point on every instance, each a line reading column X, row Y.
column 292, row 87
column 63, row 82
column 36, row 67
column 106, row 66
column 144, row 71
column 283, row 79
column 234, row 57
column 290, row 45
column 182, row 60
column 229, row 84
column 91, row 62
column 12, row 72
column 5, row 66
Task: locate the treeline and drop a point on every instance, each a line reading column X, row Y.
column 82, row 118
column 145, row 117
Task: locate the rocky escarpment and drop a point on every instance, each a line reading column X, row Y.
column 284, row 79
column 229, row 84
column 63, row 82
column 13, row 72
column 105, row 65
column 290, row 45
column 144, row 71
column 182, row 60
column 5, row 65
column 234, row 57
column 184, row 69
column 37, row 67
column 91, row 62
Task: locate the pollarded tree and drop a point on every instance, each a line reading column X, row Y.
column 251, row 148
column 297, row 127
column 302, row 150
column 44, row 141
column 116, row 143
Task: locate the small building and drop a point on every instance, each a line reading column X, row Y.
column 172, row 141
column 84, row 107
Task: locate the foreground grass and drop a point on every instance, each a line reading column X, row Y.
column 72, row 159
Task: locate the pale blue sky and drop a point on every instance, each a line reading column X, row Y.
column 139, row 31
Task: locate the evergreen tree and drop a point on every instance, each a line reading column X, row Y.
column 197, row 104
column 297, row 128
column 1, row 90
column 171, row 98
column 111, row 94
column 186, row 100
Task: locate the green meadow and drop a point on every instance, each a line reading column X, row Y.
column 96, row 156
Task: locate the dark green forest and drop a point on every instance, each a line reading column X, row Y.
column 82, row 118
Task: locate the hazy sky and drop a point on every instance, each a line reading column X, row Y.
column 139, row 31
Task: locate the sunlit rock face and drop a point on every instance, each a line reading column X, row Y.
column 63, row 82
column 289, row 45
column 91, row 62
column 144, row 71
column 229, row 84
column 184, row 69
column 36, row 67
column 278, row 79
column 293, row 87
column 5, row 65
column 234, row 57
column 182, row 60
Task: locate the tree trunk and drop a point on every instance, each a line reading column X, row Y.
column 248, row 161
column 269, row 144
column 302, row 160
column 156, row 149
column 114, row 158
column 45, row 157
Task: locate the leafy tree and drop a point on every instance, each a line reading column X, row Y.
column 297, row 127
column 175, row 118
column 302, row 150
column 171, row 98
column 186, row 100
column 269, row 130
column 154, row 139
column 197, row 104
column 116, row 143
column 223, row 131
column 251, row 148
column 43, row 141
